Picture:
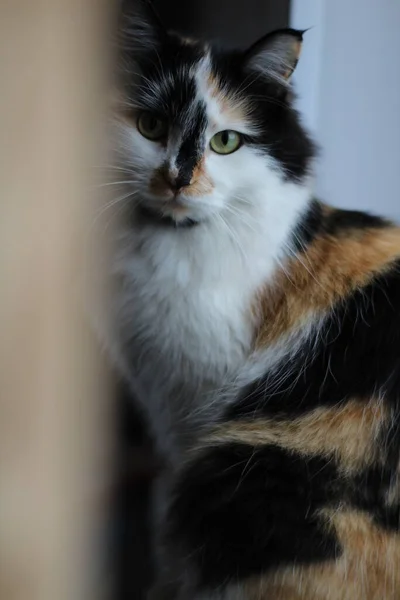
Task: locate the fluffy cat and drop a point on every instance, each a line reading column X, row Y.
column 258, row 328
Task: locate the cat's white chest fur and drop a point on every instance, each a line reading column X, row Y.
column 184, row 319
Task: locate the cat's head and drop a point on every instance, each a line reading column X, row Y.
column 201, row 130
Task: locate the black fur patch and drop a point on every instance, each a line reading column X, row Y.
column 308, row 228
column 148, row 216
column 355, row 355
column 193, row 145
column 336, row 223
column 240, row 511
column 340, row 221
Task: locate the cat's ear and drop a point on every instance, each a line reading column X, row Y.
column 276, row 55
column 140, row 28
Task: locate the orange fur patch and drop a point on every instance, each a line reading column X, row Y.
column 349, row 433
column 296, row 51
column 368, row 568
column 236, row 110
column 201, row 183
column 329, row 270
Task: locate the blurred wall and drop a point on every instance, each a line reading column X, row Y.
column 349, row 86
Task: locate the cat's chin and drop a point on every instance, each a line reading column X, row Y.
column 177, row 211
column 150, row 215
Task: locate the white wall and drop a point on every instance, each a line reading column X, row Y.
column 348, row 82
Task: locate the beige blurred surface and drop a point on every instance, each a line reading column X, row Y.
column 53, row 389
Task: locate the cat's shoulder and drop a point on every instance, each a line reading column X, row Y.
column 351, row 257
column 345, row 270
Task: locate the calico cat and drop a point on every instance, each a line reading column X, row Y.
column 258, row 328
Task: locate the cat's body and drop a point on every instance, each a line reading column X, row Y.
column 259, row 330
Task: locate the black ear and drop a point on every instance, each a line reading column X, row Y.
column 276, row 54
column 140, row 29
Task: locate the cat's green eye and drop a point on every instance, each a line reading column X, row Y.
column 226, row 142
column 151, row 126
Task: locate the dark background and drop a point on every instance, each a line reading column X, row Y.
column 234, row 23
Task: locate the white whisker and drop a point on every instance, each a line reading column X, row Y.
column 112, row 203
column 125, row 182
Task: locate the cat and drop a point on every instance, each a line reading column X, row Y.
column 258, row 328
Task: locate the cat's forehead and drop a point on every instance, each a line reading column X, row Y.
column 184, row 82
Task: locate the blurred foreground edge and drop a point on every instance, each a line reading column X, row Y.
column 54, row 392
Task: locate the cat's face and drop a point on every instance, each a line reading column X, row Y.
column 201, row 131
